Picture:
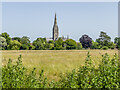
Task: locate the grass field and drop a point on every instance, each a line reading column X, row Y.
column 54, row 61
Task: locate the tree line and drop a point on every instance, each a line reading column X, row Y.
column 16, row 43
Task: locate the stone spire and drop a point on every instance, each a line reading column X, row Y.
column 55, row 22
column 55, row 29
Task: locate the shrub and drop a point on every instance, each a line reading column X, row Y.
column 15, row 76
column 105, row 76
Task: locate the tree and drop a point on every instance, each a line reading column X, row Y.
column 39, row 43
column 95, row 45
column 58, row 44
column 70, row 44
column 50, row 45
column 31, row 47
column 50, row 41
column 86, row 41
column 24, row 47
column 103, row 39
column 111, row 45
column 6, row 36
column 25, row 40
column 3, row 43
column 117, row 42
column 64, row 45
column 79, row 46
column 25, row 43
column 17, row 38
column 14, row 45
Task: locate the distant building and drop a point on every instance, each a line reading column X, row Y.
column 55, row 32
column 65, row 38
column 55, row 29
column 48, row 39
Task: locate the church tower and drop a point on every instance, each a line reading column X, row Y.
column 55, row 29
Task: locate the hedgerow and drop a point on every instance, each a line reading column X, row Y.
column 107, row 75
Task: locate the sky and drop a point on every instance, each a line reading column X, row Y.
column 36, row 19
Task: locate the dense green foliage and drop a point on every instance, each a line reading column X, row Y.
column 16, row 43
column 3, row 43
column 104, row 41
column 70, row 44
column 106, row 75
column 25, row 43
column 6, row 36
column 58, row 44
column 40, row 43
column 15, row 76
column 117, row 42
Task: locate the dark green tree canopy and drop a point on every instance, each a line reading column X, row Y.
column 104, row 40
column 17, row 38
column 50, row 41
column 104, row 37
column 117, row 42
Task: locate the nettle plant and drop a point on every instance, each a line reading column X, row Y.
column 107, row 75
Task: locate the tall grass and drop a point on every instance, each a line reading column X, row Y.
column 86, row 76
column 54, row 62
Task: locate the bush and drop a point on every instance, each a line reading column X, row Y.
column 15, row 76
column 105, row 76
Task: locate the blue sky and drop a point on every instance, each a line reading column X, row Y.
column 36, row 19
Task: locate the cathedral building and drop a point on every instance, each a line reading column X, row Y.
column 55, row 30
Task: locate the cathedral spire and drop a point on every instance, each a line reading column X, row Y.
column 55, row 29
column 55, row 22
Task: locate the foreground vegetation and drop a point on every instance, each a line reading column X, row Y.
column 54, row 62
column 106, row 75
